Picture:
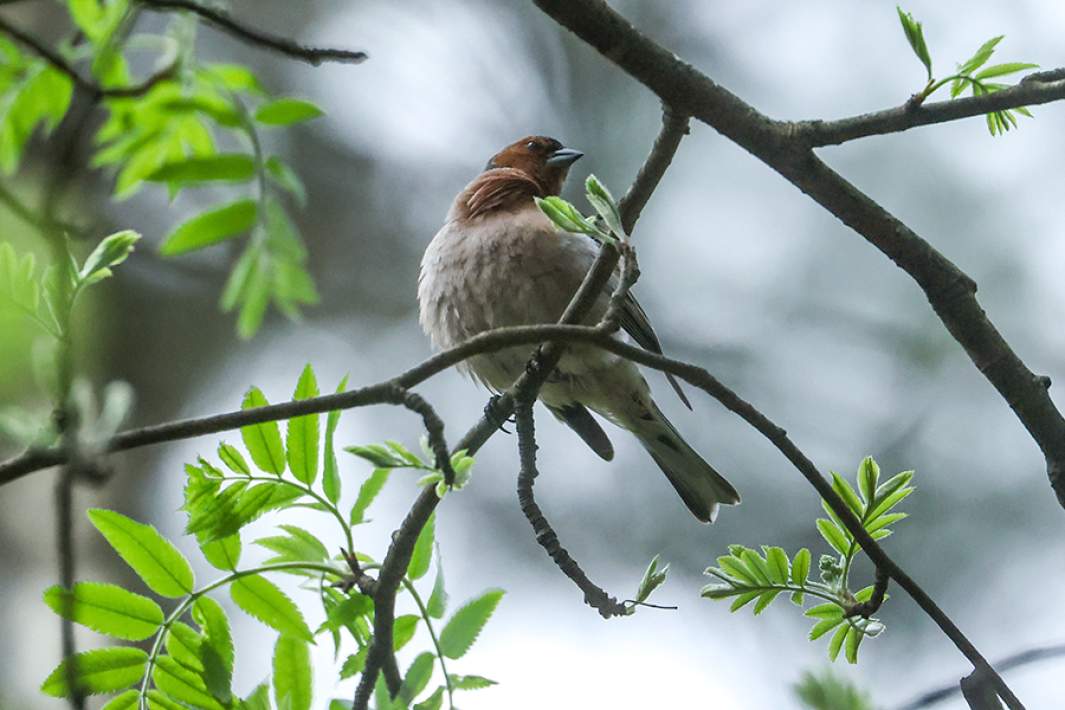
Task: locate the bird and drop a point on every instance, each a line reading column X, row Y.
column 499, row 261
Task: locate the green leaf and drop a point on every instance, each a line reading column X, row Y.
column 777, row 561
column 233, row 459
column 1004, row 69
column 471, row 682
column 417, row 676
column 211, row 227
column 404, row 629
column 184, row 644
column 600, row 198
column 128, row 700
column 102, row 670
column 823, row 626
column 302, row 441
column 330, row 471
column 828, row 610
column 354, row 664
column 280, row 173
column 868, row 475
column 216, row 651
column 182, row 684
column 915, row 36
column 110, row 252
column 263, row 441
column 286, row 111
column 833, row 536
column 149, row 554
column 884, row 520
column 423, row 550
column 765, row 599
column 800, row 567
column 854, row 639
column 437, row 604
column 367, row 492
column 258, row 699
column 844, row 491
column 980, row 57
column 221, row 167
column 743, row 600
column 222, row 553
column 298, row 545
column 735, row 568
column 433, row 702
column 292, row 673
column 837, row 642
column 378, row 455
column 653, row 578
column 466, row 623
column 889, row 502
column 262, row 600
column 756, row 565
column 107, row 609
column 564, row 215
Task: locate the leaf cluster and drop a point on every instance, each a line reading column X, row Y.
column 606, row 227
column 972, row 74
column 747, row 575
column 191, row 657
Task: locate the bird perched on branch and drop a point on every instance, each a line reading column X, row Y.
column 499, row 261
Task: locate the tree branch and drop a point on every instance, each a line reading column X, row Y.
column 950, row 291
column 94, row 90
column 258, row 38
column 1029, row 92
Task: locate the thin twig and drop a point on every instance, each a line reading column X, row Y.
column 94, row 90
column 259, row 38
column 1017, row 660
column 870, row 607
column 594, row 595
column 978, row 692
column 1034, row 89
column 777, row 143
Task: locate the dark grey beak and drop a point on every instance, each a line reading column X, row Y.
column 564, row 157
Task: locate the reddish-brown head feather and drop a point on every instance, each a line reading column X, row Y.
column 513, row 176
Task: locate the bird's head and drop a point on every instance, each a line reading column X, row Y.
column 544, row 159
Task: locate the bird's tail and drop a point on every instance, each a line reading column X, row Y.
column 700, row 487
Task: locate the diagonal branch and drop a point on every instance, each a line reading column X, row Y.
column 258, row 38
column 1038, row 88
column 779, row 145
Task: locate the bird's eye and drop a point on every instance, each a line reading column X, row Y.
column 531, row 145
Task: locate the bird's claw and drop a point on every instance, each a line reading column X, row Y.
column 492, row 416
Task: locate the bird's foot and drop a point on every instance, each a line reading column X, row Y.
column 493, row 416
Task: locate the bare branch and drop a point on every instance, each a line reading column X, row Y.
column 674, row 128
column 94, row 90
column 868, row 608
column 1029, row 92
column 258, row 38
column 594, row 596
column 951, row 292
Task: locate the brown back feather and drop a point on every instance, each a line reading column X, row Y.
column 496, row 189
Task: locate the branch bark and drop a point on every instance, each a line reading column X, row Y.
column 780, row 145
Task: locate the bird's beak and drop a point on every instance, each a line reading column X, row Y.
column 564, row 157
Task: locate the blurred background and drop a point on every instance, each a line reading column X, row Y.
column 741, row 274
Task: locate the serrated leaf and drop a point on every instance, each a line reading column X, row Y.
column 286, row 111
column 367, row 492
column 302, row 441
column 433, row 702
column 102, row 670
column 743, row 599
column 107, row 609
column 466, row 623
column 837, row 642
column 221, row 167
column 823, row 626
column 833, row 536
column 868, row 475
column 183, row 644
column 980, row 56
column 889, row 502
column 298, row 545
column 854, row 639
column 800, row 567
column 292, row 673
column 437, row 604
column 216, row 651
column 233, row 459
column 378, row 455
column 844, row 490
column 471, row 682
column 128, row 700
column 222, row 553
column 1004, row 69
column 765, row 599
column 757, row 566
column 423, row 550
column 736, row 569
column 262, row 600
column 330, row 471
column 211, row 227
column 263, row 441
column 354, row 664
column 884, row 520
column 258, row 699
column 777, row 562
column 417, row 676
column 182, row 684
column 149, row 554
column 403, row 630
column 828, row 610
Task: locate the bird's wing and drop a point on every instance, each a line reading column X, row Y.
column 581, row 421
column 634, row 321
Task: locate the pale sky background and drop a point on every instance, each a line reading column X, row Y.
column 741, row 273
